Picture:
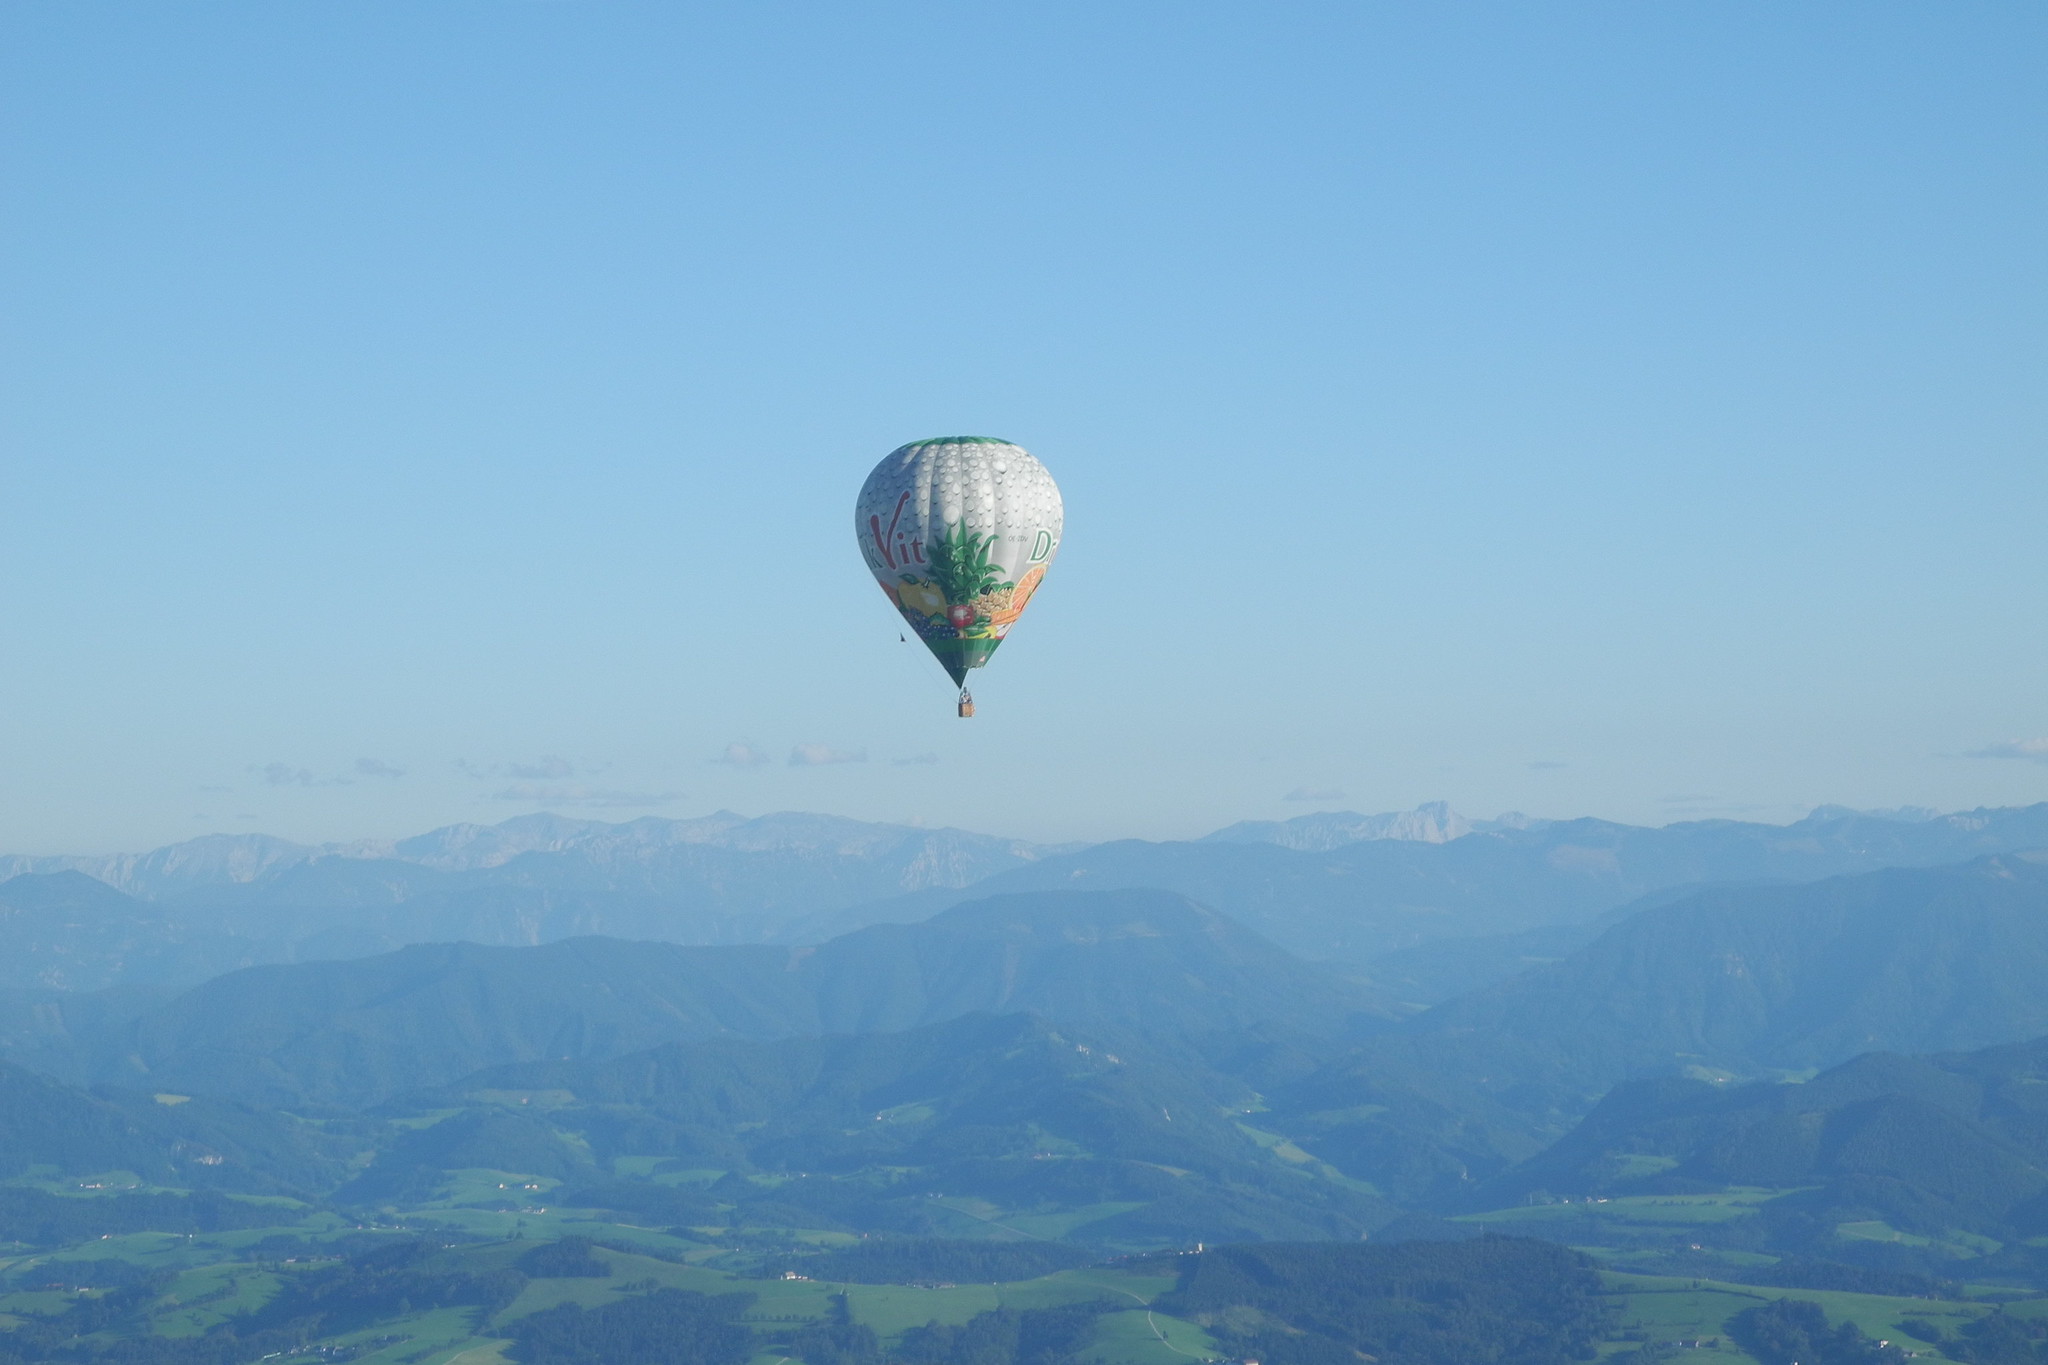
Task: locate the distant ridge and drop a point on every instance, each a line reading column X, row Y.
column 946, row 856
column 954, row 857
column 232, row 860
column 1359, row 901
column 1433, row 822
column 1366, row 891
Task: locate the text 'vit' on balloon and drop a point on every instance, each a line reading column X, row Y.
column 959, row 531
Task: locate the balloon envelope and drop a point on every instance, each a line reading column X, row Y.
column 959, row 531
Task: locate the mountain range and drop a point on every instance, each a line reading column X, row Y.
column 1726, row 982
column 916, row 857
column 1427, row 903
column 1803, row 1056
column 1132, row 1067
column 1374, row 901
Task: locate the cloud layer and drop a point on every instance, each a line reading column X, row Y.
column 2029, row 750
column 285, row 775
column 576, row 794
column 820, row 755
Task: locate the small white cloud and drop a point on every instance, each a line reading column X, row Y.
column 821, row 755
column 576, row 794
column 1314, row 794
column 550, row 768
column 2028, row 750
column 1708, row 805
column 285, row 775
column 370, row 767
column 738, row 755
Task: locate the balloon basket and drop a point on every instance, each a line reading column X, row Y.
column 966, row 704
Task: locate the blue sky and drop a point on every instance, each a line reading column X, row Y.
column 432, row 412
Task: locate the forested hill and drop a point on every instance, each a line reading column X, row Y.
column 1794, row 977
column 352, row 1032
column 1117, row 1144
column 162, row 1139
column 1495, row 1301
column 1950, row 1141
column 1739, row 983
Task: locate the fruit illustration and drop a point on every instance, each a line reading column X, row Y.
column 919, row 596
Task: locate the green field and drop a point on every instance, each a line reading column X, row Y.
column 1661, row 1212
column 200, row 1298
column 1138, row 1337
column 1661, row 1308
column 207, row 1278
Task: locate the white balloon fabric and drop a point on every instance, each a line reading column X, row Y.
column 959, row 531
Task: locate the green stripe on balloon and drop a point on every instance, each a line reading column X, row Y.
column 956, row 656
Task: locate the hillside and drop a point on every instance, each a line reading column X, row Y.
column 1889, row 1174
column 349, row 1033
column 50, row 1128
column 1744, row 982
column 1750, row 980
column 1932, row 1144
column 65, row 931
column 1501, row 1300
column 866, row 1132
column 1141, row 959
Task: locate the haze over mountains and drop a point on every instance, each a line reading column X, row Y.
column 1790, row 978
column 917, row 857
column 1752, row 981
column 1364, row 891
column 355, row 1032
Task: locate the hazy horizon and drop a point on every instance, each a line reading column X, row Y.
column 1904, row 814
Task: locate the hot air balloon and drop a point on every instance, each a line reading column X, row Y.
column 959, row 531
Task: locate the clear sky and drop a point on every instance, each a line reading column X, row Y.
column 438, row 411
